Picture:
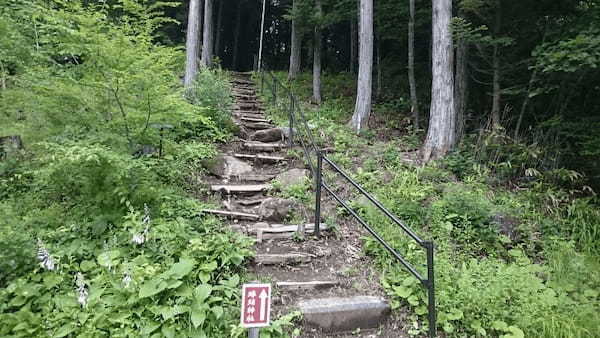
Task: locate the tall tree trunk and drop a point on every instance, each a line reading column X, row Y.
column 219, row 28
column 362, row 110
column 461, row 87
column 496, row 90
column 353, row 44
column 191, row 43
column 317, row 46
column 379, row 73
column 296, row 49
column 414, row 103
column 236, row 35
column 441, row 133
column 207, row 46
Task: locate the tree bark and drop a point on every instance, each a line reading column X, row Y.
column 207, row 45
column 236, row 35
column 362, row 110
column 296, row 49
column 353, row 43
column 191, row 43
column 461, row 87
column 496, row 90
column 441, row 133
column 414, row 103
column 219, row 28
column 317, row 46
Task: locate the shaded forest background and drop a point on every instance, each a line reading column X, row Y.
column 542, row 54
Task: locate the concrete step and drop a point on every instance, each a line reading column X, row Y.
column 266, row 147
column 255, row 177
column 233, row 214
column 261, row 158
column 240, row 188
column 344, row 314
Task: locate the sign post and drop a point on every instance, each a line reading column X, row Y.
column 256, row 307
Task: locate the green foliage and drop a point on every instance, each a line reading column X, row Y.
column 99, row 236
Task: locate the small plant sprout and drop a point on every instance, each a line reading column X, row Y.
column 44, row 257
column 82, row 292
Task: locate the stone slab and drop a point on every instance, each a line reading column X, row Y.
column 344, row 314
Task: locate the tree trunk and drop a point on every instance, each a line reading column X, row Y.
column 236, row 35
column 317, row 45
column 353, row 43
column 219, row 28
column 441, row 133
column 296, row 49
column 362, row 110
column 461, row 87
column 496, row 90
column 191, row 43
column 207, row 45
column 414, row 103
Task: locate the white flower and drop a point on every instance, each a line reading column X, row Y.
column 82, row 292
column 127, row 279
column 138, row 238
column 44, row 257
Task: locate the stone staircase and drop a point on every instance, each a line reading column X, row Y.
column 325, row 279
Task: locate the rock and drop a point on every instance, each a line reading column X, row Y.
column 344, row 314
column 10, row 144
column 268, row 135
column 145, row 150
column 292, row 177
column 225, row 166
column 275, row 209
column 286, row 131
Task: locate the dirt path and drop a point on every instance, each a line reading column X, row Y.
column 328, row 271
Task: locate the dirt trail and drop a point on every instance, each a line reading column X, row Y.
column 329, row 271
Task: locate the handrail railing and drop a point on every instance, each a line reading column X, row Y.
column 317, row 173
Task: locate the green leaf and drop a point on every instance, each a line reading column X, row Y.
column 109, row 258
column 201, row 292
column 65, row 330
column 152, row 287
column 218, row 311
column 181, row 268
column 402, row 291
column 198, row 316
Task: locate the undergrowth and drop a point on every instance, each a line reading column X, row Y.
column 509, row 262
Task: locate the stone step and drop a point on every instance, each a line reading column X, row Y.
column 261, row 158
column 242, row 81
column 344, row 314
column 312, row 285
column 233, row 214
column 283, row 231
column 267, row 147
column 255, row 201
column 283, row 259
column 240, row 188
column 249, row 115
column 255, row 177
column 252, row 119
column 258, row 125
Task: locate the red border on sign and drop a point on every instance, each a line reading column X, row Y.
column 267, row 309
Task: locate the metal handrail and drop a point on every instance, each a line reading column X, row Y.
column 317, row 173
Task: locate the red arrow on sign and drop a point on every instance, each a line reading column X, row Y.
column 256, row 299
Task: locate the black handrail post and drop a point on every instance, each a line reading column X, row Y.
column 318, row 183
column 291, row 136
column 431, row 289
